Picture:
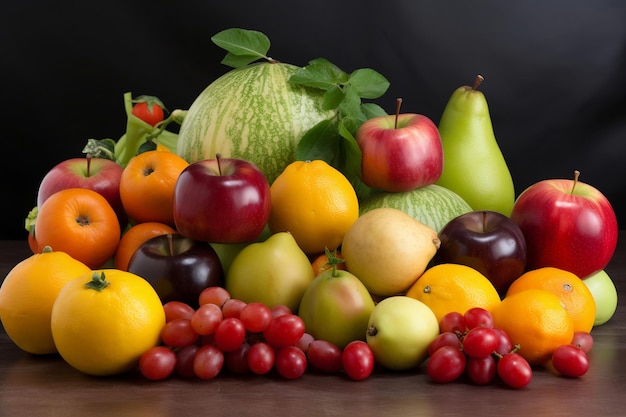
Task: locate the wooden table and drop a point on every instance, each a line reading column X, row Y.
column 46, row 386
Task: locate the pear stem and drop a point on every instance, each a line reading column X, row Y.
column 576, row 175
column 479, row 79
column 398, row 105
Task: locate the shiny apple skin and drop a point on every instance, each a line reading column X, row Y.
column 180, row 275
column 233, row 207
column 403, row 158
column 487, row 241
column 572, row 231
column 104, row 178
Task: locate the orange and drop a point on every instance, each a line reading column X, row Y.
column 536, row 320
column 320, row 263
column 451, row 287
column 28, row 293
column 147, row 186
column 315, row 203
column 81, row 223
column 574, row 294
column 135, row 237
column 103, row 321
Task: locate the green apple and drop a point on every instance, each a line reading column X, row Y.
column 275, row 271
column 336, row 307
column 227, row 251
column 399, row 331
column 604, row 293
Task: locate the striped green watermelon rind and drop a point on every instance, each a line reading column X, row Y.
column 252, row 113
column 432, row 205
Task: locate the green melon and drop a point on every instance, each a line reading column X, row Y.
column 432, row 205
column 252, row 113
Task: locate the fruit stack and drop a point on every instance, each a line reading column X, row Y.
column 314, row 232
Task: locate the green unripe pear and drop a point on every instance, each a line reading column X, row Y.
column 336, row 307
column 274, row 272
column 474, row 166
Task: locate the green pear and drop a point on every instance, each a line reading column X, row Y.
column 227, row 251
column 336, row 306
column 399, row 332
column 274, row 272
column 474, row 166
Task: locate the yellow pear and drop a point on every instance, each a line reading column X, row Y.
column 388, row 250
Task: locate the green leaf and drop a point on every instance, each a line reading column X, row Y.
column 238, row 61
column 243, row 43
column 319, row 73
column 368, row 83
column 103, row 148
column 322, row 141
column 332, row 98
column 148, row 145
column 371, row 110
column 350, row 106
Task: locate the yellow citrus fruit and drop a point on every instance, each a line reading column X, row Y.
column 451, row 287
column 103, row 321
column 574, row 294
column 28, row 293
column 315, row 203
column 537, row 321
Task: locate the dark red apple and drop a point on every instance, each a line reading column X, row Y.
column 221, row 200
column 401, row 152
column 98, row 174
column 487, row 241
column 567, row 224
column 177, row 267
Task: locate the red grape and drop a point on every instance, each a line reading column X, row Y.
column 184, row 361
column 480, row 342
column 237, row 360
column 177, row 310
column 206, row 319
column 324, row 356
column 230, row 334
column 214, row 295
column 514, row 370
column 444, row 339
column 481, row 371
column 357, row 360
column 157, row 363
column 256, row 317
column 178, row 333
column 452, row 322
column 261, row 358
column 506, row 345
column 305, row 341
column 232, row 307
column 570, row 360
column 290, row 362
column 208, row 362
column 583, row 340
column 478, row 317
column 280, row 310
column 446, row 364
column 284, row 330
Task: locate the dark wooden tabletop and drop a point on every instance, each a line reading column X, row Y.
column 46, row 386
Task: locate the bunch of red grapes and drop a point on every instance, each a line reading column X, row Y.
column 470, row 345
column 227, row 333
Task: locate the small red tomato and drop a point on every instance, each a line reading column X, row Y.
column 149, row 109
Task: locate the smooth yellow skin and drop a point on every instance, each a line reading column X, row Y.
column 474, row 166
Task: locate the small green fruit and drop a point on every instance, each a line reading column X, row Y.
column 604, row 293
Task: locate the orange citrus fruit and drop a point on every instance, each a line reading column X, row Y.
column 536, row 320
column 28, row 293
column 134, row 237
column 320, row 263
column 103, row 321
column 451, row 287
column 147, row 186
column 315, row 203
column 574, row 294
column 81, row 223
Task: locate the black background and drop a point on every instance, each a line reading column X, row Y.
column 555, row 73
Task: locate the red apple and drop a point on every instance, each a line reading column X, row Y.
column 567, row 224
column 401, row 152
column 221, row 200
column 177, row 267
column 98, row 174
column 489, row 242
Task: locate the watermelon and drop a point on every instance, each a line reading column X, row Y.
column 252, row 113
column 432, row 205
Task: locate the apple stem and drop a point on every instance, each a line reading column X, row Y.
column 479, row 79
column 88, row 164
column 576, row 175
column 398, row 105
column 218, row 156
column 170, row 243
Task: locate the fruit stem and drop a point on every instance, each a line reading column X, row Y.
column 333, row 260
column 576, row 175
column 479, row 79
column 98, row 281
column 170, row 243
column 398, row 105
column 218, row 157
column 88, row 165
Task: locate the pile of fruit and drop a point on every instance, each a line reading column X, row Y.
column 291, row 226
